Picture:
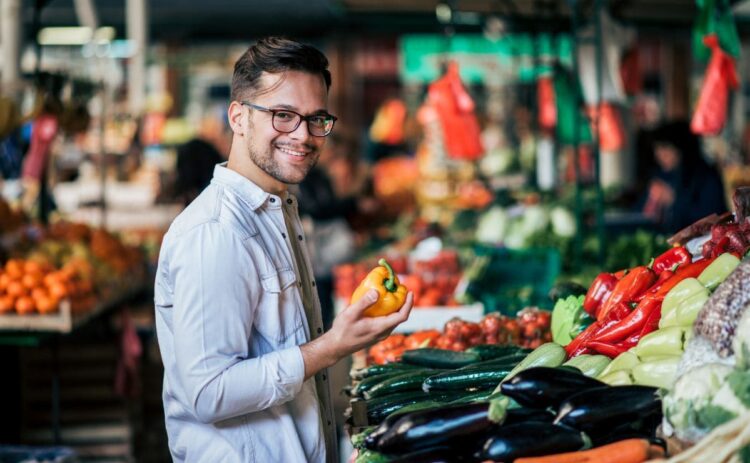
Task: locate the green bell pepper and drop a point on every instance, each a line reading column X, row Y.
column 657, row 373
column 666, row 341
column 625, row 361
column 687, row 312
column 617, row 378
column 718, row 271
column 676, row 297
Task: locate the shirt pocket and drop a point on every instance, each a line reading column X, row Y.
column 278, row 317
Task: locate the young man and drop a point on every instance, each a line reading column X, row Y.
column 237, row 315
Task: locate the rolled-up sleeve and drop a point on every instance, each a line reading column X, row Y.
column 216, row 296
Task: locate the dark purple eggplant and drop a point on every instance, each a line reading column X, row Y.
column 523, row 415
column 543, row 387
column 433, row 427
column 439, row 454
column 642, row 428
column 531, row 439
column 595, row 411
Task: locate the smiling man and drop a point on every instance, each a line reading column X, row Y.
column 237, row 313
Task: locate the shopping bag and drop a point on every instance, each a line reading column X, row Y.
column 721, row 76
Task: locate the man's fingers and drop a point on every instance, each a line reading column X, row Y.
column 358, row 307
column 402, row 314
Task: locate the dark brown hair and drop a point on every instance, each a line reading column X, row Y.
column 276, row 55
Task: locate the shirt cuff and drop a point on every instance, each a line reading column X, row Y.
column 291, row 367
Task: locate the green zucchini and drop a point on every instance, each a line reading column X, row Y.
column 590, row 365
column 411, row 381
column 439, row 358
column 479, row 396
column 368, row 383
column 547, row 355
column 492, row 351
column 379, row 412
column 467, row 378
column 376, row 370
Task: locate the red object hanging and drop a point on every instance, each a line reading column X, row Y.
column 545, row 91
column 455, row 108
column 721, row 76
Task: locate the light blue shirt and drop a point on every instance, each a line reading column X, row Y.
column 230, row 319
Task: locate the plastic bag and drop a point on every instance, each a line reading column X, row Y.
column 545, row 91
column 611, row 130
column 455, row 108
column 715, row 17
column 572, row 126
column 721, row 76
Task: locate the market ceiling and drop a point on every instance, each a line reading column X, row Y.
column 181, row 20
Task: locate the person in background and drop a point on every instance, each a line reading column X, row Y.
column 237, row 317
column 196, row 159
column 684, row 187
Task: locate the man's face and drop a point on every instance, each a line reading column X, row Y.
column 286, row 157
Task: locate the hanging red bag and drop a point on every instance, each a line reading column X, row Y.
column 611, row 130
column 545, row 92
column 721, row 76
column 455, row 109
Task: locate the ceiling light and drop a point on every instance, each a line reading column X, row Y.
column 74, row 35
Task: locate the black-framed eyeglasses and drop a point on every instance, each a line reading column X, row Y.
column 287, row 121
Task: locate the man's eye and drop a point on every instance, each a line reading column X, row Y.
column 284, row 116
column 320, row 121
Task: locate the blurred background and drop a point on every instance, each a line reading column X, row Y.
column 490, row 149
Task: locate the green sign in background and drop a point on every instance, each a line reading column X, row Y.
column 512, row 58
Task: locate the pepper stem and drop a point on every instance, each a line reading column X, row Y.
column 389, row 283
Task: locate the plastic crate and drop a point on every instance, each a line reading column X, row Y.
column 507, row 280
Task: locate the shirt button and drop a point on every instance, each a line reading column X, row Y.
column 320, row 330
column 313, row 283
column 283, row 235
column 300, row 237
column 329, row 422
column 289, row 201
column 299, row 284
column 273, row 200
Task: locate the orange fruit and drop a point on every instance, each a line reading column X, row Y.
column 39, row 293
column 7, row 304
column 4, row 280
column 58, row 290
column 14, row 267
column 32, row 280
column 46, row 305
column 16, row 289
column 25, row 305
column 52, row 279
column 32, row 266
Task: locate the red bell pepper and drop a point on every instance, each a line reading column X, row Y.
column 599, row 292
column 578, row 345
column 631, row 324
column 676, row 256
column 652, row 323
column 691, row 270
column 632, row 285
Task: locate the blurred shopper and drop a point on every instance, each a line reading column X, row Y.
column 197, row 158
column 684, row 187
column 237, row 317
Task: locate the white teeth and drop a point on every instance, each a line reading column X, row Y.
column 291, row 152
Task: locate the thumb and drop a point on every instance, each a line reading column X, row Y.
column 358, row 307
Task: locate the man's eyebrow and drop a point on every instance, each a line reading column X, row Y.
column 294, row 108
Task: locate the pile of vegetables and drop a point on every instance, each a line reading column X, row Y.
column 530, row 328
column 447, row 406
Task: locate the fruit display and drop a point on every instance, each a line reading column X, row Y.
column 530, row 329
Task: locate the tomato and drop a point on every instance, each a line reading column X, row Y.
column 426, row 338
column 393, row 355
column 453, row 328
column 469, row 330
column 458, row 346
column 443, row 342
column 7, row 304
column 490, row 324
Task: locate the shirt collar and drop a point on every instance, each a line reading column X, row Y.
column 248, row 191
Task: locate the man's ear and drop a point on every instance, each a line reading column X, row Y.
column 235, row 114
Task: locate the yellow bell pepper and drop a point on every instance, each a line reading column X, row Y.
column 391, row 294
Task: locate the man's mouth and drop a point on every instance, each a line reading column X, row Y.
column 293, row 152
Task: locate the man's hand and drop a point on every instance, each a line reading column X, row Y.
column 352, row 331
